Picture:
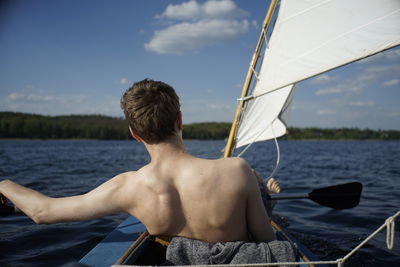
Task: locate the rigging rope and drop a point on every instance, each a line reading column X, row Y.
column 389, row 224
column 278, row 152
column 390, row 232
column 278, row 156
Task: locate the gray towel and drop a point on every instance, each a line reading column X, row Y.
column 185, row 251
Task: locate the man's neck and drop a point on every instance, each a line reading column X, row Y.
column 171, row 148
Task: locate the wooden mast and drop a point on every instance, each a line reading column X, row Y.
column 249, row 76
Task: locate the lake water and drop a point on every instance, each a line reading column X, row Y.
column 61, row 168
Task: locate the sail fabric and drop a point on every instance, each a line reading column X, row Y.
column 314, row 36
column 262, row 118
column 311, row 37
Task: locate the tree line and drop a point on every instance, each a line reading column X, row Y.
column 22, row 125
column 341, row 134
column 30, row 126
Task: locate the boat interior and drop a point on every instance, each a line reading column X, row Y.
column 149, row 251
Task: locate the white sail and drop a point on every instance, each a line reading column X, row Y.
column 311, row 37
column 262, row 117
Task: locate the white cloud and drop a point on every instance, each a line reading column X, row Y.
column 378, row 68
column 321, row 79
column 182, row 37
column 338, row 89
column 30, row 97
column 211, row 9
column 392, row 82
column 324, row 112
column 186, row 10
column 362, row 103
column 327, row 91
column 201, row 24
column 358, row 82
column 366, row 77
column 219, row 106
column 393, row 114
column 255, row 24
column 124, row 81
column 31, row 100
column 223, row 8
column 377, row 71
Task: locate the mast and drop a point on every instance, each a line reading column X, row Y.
column 249, row 76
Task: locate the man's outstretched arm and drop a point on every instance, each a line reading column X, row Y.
column 103, row 200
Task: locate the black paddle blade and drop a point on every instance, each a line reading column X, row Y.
column 344, row 196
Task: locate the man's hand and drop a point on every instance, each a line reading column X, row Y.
column 3, row 199
column 5, row 209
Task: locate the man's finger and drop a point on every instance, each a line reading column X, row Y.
column 3, row 199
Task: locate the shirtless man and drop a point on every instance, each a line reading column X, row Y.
column 176, row 194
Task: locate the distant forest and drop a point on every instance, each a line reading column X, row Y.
column 30, row 126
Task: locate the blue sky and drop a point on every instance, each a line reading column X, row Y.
column 78, row 57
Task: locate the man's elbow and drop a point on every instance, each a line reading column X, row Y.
column 41, row 216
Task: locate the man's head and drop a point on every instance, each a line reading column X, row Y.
column 152, row 109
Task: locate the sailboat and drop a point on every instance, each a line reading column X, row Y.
column 299, row 39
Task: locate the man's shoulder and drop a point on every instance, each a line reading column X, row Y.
column 126, row 182
column 234, row 169
column 126, row 177
column 235, row 162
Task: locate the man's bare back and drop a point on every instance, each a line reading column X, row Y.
column 210, row 200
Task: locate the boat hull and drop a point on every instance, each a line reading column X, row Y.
column 108, row 251
column 145, row 251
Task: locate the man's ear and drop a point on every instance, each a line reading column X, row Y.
column 179, row 123
column 135, row 136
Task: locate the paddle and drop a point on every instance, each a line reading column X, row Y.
column 343, row 196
